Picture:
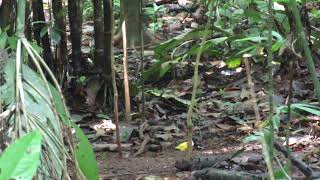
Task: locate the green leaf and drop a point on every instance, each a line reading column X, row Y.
column 12, row 40
column 308, row 108
column 233, row 63
column 253, row 38
column 167, row 46
column 55, row 37
column 84, row 152
column 267, row 147
column 44, row 31
column 253, row 138
column 85, row 155
column 21, row 159
column 281, row 173
column 36, row 47
column 3, row 40
column 164, row 68
column 281, row 1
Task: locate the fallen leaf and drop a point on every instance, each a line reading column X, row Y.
column 182, row 2
column 106, row 125
column 225, row 126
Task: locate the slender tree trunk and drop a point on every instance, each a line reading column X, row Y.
column 60, row 26
column 28, row 31
column 38, row 15
column 108, row 34
column 306, row 49
column 125, row 73
column 7, row 15
column 131, row 14
column 75, row 20
column 99, row 48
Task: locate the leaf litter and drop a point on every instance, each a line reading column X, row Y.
column 223, row 118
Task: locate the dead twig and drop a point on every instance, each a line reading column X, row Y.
column 251, row 89
column 7, row 113
column 296, row 161
column 143, row 146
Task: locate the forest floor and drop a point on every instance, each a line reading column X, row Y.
column 223, row 119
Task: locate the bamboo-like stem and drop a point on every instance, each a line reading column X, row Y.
column 18, row 128
column 306, row 49
column 19, row 33
column 269, row 145
column 142, row 63
column 251, row 90
column 125, row 73
column 21, row 18
column 196, row 83
column 266, row 147
column 289, row 163
column 115, row 90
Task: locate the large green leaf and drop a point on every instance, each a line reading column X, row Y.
column 168, row 46
column 21, row 159
column 40, row 115
column 85, row 156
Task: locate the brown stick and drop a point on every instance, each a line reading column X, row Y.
column 115, row 92
column 252, row 93
column 143, row 146
column 302, row 166
column 125, row 73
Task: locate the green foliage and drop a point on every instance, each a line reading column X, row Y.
column 82, row 80
column 152, row 14
column 22, row 158
column 233, row 62
column 87, row 10
column 169, row 94
column 40, row 114
column 240, row 28
column 84, row 153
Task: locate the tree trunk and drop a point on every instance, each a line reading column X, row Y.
column 7, row 15
column 60, row 26
column 130, row 11
column 108, row 34
column 28, row 30
column 38, row 15
column 99, row 59
column 75, row 20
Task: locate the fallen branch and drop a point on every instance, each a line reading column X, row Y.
column 110, row 147
column 218, row 174
column 296, row 161
column 200, row 162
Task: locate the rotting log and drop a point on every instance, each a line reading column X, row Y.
column 200, row 162
column 218, row 174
